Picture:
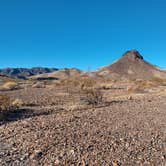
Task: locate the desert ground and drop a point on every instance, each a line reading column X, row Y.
column 58, row 125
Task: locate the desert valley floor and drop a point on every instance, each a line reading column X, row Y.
column 52, row 129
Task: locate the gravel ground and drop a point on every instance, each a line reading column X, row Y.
column 125, row 132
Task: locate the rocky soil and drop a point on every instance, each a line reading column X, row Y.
column 127, row 131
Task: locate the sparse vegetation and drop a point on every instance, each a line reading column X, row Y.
column 5, row 105
column 92, row 96
column 4, row 102
column 17, row 103
column 84, row 121
column 141, row 86
column 86, row 83
column 89, row 94
column 85, row 88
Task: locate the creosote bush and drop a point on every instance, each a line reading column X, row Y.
column 89, row 94
column 7, row 106
column 4, row 102
column 92, row 96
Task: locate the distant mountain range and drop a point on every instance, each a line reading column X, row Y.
column 131, row 65
column 25, row 72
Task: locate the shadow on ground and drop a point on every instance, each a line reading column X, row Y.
column 25, row 113
column 22, row 114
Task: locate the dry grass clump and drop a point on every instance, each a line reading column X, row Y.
column 4, row 102
column 17, row 103
column 7, row 106
column 9, row 86
column 84, row 88
column 76, row 82
column 92, row 96
column 105, row 85
column 89, row 94
column 142, row 86
column 86, row 83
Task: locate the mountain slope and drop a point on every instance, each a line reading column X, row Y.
column 131, row 66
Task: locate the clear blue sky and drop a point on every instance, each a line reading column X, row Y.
column 80, row 33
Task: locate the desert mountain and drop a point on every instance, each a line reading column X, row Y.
column 25, row 72
column 131, row 65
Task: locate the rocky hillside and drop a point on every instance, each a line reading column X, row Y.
column 131, row 65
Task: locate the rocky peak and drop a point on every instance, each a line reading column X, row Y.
column 134, row 54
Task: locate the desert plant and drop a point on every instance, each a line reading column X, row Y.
column 88, row 93
column 141, row 86
column 91, row 96
column 4, row 102
column 86, row 83
column 17, row 103
column 5, row 105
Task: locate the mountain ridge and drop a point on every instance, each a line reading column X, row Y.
column 25, row 72
column 131, row 65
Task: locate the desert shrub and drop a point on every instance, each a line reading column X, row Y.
column 89, row 94
column 17, row 103
column 141, row 86
column 105, row 85
column 9, row 86
column 5, row 105
column 92, row 96
column 86, row 83
column 83, row 89
column 75, row 82
column 4, row 102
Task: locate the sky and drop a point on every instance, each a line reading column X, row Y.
column 86, row 34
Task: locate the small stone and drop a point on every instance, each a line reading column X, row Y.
column 57, row 162
column 130, row 98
